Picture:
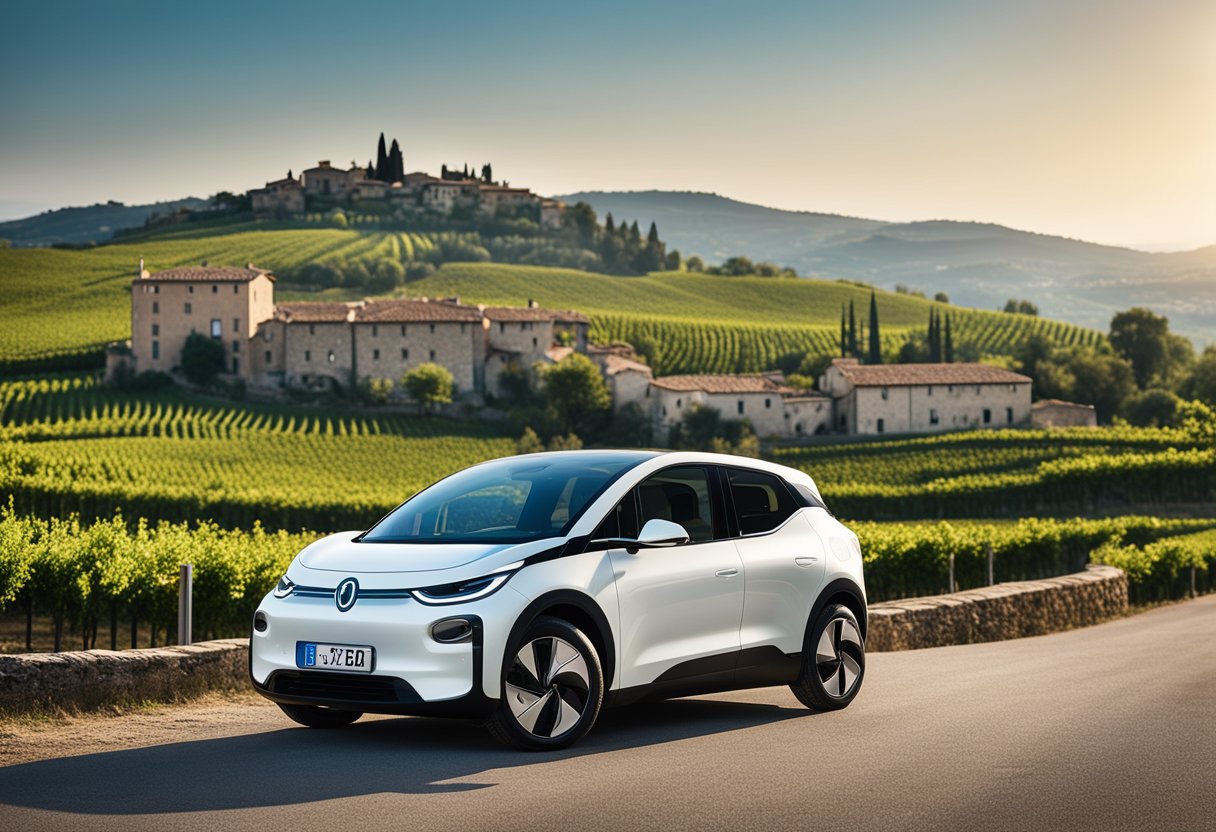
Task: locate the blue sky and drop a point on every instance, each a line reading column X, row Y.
column 1083, row 118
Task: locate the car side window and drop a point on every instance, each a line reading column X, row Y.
column 622, row 522
column 681, row 495
column 762, row 501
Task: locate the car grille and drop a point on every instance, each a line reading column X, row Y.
column 335, row 686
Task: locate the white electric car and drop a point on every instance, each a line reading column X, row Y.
column 530, row 591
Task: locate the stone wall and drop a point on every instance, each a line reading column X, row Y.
column 97, row 678
column 1004, row 611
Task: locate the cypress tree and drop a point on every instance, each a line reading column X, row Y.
column 844, row 338
column 609, row 225
column 381, row 160
column 949, row 346
column 635, row 236
column 852, row 332
column 935, row 344
column 875, row 341
column 289, row 176
column 396, row 165
column 652, row 236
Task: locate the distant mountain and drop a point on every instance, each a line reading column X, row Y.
column 976, row 264
column 89, row 224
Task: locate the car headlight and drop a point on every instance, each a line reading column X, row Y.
column 470, row 590
column 284, row 587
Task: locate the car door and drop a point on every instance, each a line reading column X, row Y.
column 784, row 560
column 680, row 606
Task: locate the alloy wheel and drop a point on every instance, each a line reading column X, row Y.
column 548, row 687
column 838, row 657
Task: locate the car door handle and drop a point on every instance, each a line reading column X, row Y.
column 805, row 560
column 727, row 573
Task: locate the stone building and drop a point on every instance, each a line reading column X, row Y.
column 280, row 198
column 763, row 399
column 224, row 303
column 1054, row 413
column 628, row 379
column 493, row 198
column 328, row 183
column 521, row 337
column 924, row 398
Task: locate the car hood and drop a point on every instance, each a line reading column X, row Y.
column 340, row 553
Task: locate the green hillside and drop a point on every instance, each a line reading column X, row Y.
column 69, row 303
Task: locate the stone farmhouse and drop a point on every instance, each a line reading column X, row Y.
column 326, row 186
column 331, row 346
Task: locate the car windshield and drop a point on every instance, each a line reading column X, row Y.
column 509, row 500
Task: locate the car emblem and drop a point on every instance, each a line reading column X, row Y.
column 346, row 593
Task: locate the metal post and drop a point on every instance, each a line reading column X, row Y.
column 991, row 580
column 952, row 571
column 184, row 602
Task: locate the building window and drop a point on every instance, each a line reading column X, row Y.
column 236, row 324
column 740, row 405
column 375, row 355
column 977, row 389
column 679, row 403
column 523, row 327
column 930, row 389
column 534, row 343
column 1009, row 415
column 308, row 355
column 268, row 356
column 236, row 289
column 155, row 307
column 502, row 326
column 312, row 329
column 882, row 426
column 933, row 419
column 236, row 364
column 432, row 355
column 217, row 328
column 215, row 290
column 189, row 290
column 432, row 327
column 403, row 330
column 156, row 349
column 375, row 330
column 987, row 416
column 885, row 394
column 156, row 290
column 187, row 308
column 236, row 346
column 330, row 358
column 768, row 404
column 155, row 329
column 405, row 355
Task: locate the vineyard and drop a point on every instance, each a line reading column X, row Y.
column 104, row 575
column 64, row 306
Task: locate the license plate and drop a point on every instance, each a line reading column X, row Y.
column 355, row 658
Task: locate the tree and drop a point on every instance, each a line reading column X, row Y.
column 694, row 264
column 581, row 217
column 948, row 344
column 941, row 297
column 935, row 341
column 202, row 358
column 529, row 443
column 1201, row 383
column 1031, row 353
column 672, row 262
column 428, row 385
column 1153, row 408
column 389, row 275
column 1142, row 337
column 575, row 391
column 609, row 224
column 381, row 160
column 487, row 174
column 875, row 341
column 844, row 335
column 1103, row 380
column 852, row 332
column 635, row 236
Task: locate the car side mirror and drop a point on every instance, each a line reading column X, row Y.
column 657, row 533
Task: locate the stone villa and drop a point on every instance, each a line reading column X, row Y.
column 333, row 346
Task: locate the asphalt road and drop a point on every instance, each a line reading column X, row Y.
column 1106, row 728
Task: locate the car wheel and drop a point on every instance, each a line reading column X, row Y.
column 552, row 688
column 834, row 663
column 314, row 716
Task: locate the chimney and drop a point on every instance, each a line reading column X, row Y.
column 143, row 273
column 533, row 304
column 249, row 265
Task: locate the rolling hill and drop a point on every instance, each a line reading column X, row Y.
column 977, row 264
column 87, row 224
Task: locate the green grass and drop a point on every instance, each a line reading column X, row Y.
column 64, row 303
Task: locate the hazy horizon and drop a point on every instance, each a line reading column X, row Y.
column 1083, row 119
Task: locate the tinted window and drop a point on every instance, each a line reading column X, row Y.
column 506, row 501
column 622, row 522
column 681, row 495
column 762, row 501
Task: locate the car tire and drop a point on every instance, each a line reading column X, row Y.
column 552, row 687
column 314, row 716
column 833, row 663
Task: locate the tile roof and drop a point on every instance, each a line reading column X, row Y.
column 533, row 313
column 1041, row 403
column 903, row 375
column 312, row 312
column 407, row 311
column 748, row 383
column 210, row 274
column 614, row 364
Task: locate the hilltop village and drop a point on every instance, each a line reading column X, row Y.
column 332, row 347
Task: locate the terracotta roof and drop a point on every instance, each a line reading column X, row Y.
column 211, row 274
column 312, row 312
column 533, row 313
column 749, row 383
column 407, row 311
column 614, row 364
column 282, row 182
column 556, row 353
column 503, row 189
column 904, row 375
